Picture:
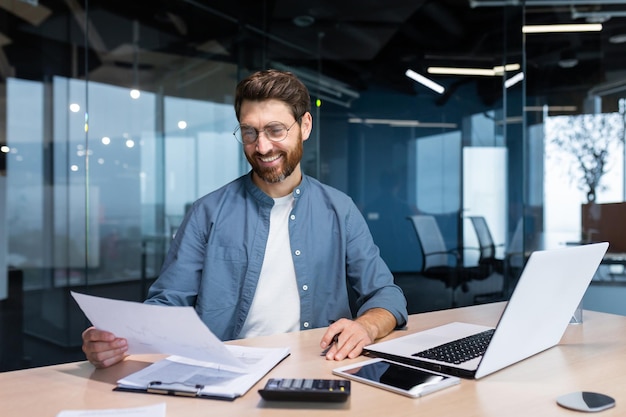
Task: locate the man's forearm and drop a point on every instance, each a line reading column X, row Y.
column 378, row 322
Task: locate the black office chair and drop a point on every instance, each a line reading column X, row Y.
column 488, row 260
column 514, row 257
column 486, row 245
column 441, row 263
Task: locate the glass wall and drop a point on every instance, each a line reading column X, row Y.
column 117, row 116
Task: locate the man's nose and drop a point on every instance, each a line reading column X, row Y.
column 263, row 144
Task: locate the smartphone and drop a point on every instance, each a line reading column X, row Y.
column 397, row 377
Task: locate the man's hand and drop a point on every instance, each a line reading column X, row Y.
column 102, row 348
column 346, row 338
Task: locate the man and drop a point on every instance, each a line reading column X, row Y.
column 275, row 250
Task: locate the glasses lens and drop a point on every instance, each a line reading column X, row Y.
column 276, row 131
column 245, row 134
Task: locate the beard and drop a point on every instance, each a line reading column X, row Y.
column 289, row 162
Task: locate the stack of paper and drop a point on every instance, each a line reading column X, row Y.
column 201, row 364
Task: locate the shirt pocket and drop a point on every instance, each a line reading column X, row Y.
column 222, row 278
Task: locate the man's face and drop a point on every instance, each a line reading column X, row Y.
column 271, row 161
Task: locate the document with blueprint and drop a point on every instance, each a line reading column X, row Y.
column 200, row 364
column 185, row 377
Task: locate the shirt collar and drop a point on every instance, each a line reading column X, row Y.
column 257, row 193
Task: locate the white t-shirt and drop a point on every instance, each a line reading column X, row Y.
column 276, row 304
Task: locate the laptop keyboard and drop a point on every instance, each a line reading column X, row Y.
column 460, row 350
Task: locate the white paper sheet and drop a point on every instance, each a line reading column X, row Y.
column 191, row 376
column 156, row 410
column 152, row 328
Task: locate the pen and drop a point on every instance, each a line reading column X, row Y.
column 332, row 342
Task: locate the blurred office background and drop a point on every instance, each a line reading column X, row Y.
column 116, row 115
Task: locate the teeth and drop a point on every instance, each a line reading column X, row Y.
column 270, row 159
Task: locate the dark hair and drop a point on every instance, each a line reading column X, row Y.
column 274, row 84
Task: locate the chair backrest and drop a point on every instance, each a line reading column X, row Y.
column 431, row 241
column 486, row 245
column 515, row 251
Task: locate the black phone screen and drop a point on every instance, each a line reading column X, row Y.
column 395, row 375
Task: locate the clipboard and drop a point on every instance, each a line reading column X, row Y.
column 177, row 389
column 184, row 377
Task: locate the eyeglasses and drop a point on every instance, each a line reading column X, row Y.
column 274, row 131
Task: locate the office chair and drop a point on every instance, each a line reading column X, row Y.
column 487, row 257
column 440, row 263
column 514, row 256
column 486, row 245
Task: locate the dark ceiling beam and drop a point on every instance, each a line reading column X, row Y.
column 92, row 35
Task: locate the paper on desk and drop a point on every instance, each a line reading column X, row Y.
column 156, row 410
column 152, row 328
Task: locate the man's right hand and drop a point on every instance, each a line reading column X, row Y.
column 102, row 348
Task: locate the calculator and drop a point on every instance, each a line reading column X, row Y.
column 303, row 389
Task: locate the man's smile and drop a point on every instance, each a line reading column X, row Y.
column 268, row 159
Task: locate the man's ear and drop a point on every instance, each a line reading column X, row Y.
column 306, row 126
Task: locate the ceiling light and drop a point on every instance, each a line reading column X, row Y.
column 303, row 21
column 597, row 18
column 568, row 59
column 590, row 27
column 514, row 80
column 403, row 123
column 487, row 72
column 550, row 108
column 425, row 81
column 568, row 62
column 619, row 38
column 500, row 70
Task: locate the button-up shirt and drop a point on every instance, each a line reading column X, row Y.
column 215, row 258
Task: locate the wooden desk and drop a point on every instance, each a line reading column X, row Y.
column 591, row 357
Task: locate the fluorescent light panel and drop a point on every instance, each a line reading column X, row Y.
column 402, row 123
column 550, row 108
column 461, row 71
column 499, row 70
column 425, row 81
column 587, row 27
column 484, row 72
column 514, row 80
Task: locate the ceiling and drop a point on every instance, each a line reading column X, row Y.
column 360, row 45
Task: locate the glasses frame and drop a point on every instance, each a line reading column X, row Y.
column 264, row 130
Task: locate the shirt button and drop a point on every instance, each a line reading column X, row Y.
column 306, row 324
column 305, row 287
column 297, row 191
column 297, row 252
column 292, row 217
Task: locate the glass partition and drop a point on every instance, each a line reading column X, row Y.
column 576, row 131
column 118, row 115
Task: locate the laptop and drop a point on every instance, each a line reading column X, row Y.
column 550, row 288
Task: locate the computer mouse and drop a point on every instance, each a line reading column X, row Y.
column 586, row 401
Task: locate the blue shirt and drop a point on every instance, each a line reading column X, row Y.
column 215, row 259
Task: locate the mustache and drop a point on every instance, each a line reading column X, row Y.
column 269, row 155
